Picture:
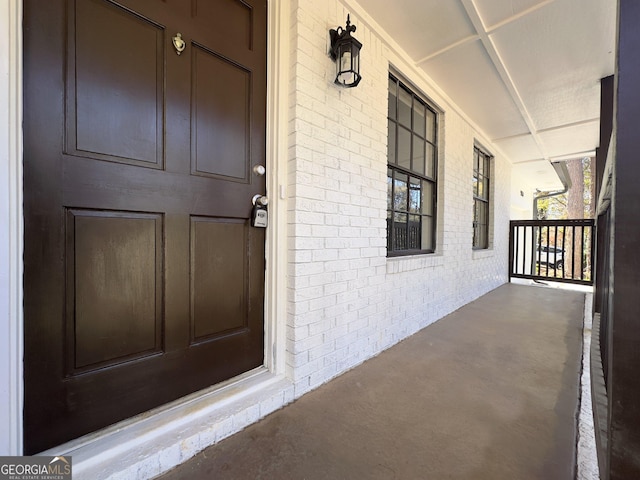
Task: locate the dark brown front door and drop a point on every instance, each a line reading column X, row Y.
column 144, row 280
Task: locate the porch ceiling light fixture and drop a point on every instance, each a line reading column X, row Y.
column 345, row 51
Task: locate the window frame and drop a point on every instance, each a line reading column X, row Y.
column 395, row 169
column 484, row 199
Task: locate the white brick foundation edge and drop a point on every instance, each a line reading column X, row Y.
column 156, row 442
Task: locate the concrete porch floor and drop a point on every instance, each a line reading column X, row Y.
column 488, row 392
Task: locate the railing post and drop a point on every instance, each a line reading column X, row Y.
column 511, row 239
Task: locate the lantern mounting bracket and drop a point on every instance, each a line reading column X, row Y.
column 338, row 34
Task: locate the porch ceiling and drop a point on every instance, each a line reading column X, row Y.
column 526, row 72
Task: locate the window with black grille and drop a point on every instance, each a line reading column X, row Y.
column 412, row 172
column 481, row 174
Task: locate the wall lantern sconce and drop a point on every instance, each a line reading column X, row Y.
column 345, row 51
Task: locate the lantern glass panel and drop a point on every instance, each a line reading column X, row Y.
column 347, row 72
column 355, row 54
column 345, row 58
column 346, row 52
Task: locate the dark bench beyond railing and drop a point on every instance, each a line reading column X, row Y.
column 556, row 250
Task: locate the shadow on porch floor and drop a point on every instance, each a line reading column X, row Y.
column 488, row 392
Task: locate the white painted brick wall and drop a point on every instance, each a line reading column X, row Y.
column 347, row 300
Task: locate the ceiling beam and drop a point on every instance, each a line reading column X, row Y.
column 569, row 125
column 517, row 16
column 551, row 129
column 571, row 156
column 501, row 68
column 471, row 38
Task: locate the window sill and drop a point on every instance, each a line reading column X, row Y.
column 408, row 263
column 484, row 253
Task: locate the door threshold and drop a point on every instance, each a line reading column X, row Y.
column 153, row 442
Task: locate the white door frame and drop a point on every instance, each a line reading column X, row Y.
column 11, row 232
column 11, row 210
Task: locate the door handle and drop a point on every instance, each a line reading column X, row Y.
column 260, row 200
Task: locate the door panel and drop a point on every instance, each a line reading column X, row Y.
column 239, row 14
column 115, row 85
column 144, row 281
column 218, row 276
column 114, row 273
column 220, row 122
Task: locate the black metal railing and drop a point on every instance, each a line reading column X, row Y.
column 601, row 351
column 406, row 236
column 556, row 250
column 603, row 291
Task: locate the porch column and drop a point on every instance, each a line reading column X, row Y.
column 624, row 326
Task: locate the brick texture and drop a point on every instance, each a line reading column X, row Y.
column 347, row 301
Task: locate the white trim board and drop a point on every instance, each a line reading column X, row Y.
column 11, row 229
